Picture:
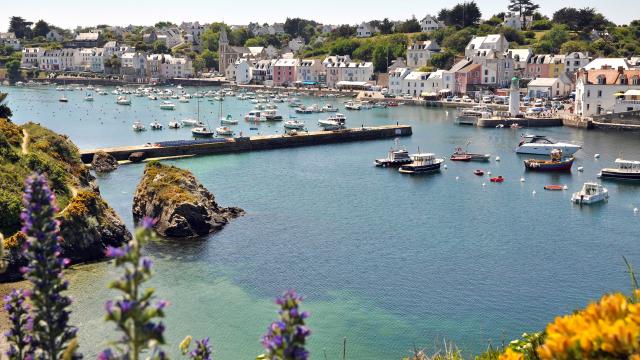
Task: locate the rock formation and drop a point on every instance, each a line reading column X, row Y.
column 104, row 162
column 177, row 200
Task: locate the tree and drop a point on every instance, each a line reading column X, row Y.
column 512, row 35
column 345, row 31
column 381, row 57
column 5, row 111
column 524, row 8
column 160, row 47
column 13, row 69
column 210, row 39
column 385, row 26
column 410, row 26
column 458, row 41
column 210, row 59
column 163, row 24
column 344, row 46
column 300, row 27
column 41, row 28
column 462, row 15
column 542, row 24
column 442, row 60
column 584, row 20
column 20, row 27
column 553, row 39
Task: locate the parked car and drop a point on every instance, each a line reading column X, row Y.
column 449, row 98
column 389, row 96
column 455, row 99
column 487, row 98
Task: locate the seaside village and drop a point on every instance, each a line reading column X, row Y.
column 589, row 86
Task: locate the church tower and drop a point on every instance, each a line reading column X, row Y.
column 223, row 50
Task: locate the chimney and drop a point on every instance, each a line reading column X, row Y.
column 620, row 70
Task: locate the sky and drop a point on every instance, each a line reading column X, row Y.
column 71, row 13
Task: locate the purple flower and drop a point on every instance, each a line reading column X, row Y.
column 287, row 335
column 146, row 263
column 113, row 252
column 148, row 222
column 106, row 355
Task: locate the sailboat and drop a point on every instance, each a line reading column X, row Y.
column 227, row 120
column 63, row 98
column 201, row 131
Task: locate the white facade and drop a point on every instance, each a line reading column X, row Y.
column 575, row 61
column 10, row 39
column 596, row 92
column 547, row 88
column 31, row 57
column 310, row 70
column 415, row 83
column 430, row 23
column 69, row 59
column 365, row 30
column 512, row 20
column 440, row 80
column 243, row 74
column 396, row 77
column 495, row 42
column 296, row 44
column 50, row 60
column 419, row 53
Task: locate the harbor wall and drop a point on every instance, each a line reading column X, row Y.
column 627, row 121
column 526, row 122
column 255, row 143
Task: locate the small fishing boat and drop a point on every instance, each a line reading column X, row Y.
column 329, row 108
column 554, row 187
column 254, row 116
column 88, row 97
column 152, row 97
column 591, row 193
column 63, row 99
column 335, row 122
column 350, row 105
column 460, row 157
column 497, row 179
column 228, row 120
column 626, row 170
column 224, row 131
column 167, row 105
column 190, row 122
column 479, row 172
column 138, row 126
column 397, row 156
column 271, row 115
column 293, row 125
column 183, row 99
column 155, row 125
column 201, row 131
column 304, row 110
column 422, row 163
column 556, row 163
column 174, row 125
column 463, row 153
column 123, row 100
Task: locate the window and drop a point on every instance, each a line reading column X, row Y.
column 599, row 93
column 588, row 93
column 635, row 80
column 601, row 80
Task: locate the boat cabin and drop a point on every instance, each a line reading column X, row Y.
column 536, row 139
column 628, row 165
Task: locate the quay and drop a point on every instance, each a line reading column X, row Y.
column 523, row 121
column 253, row 143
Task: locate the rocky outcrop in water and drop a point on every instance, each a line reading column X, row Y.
column 104, row 162
column 181, row 205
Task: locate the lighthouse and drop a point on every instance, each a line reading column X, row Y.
column 514, row 97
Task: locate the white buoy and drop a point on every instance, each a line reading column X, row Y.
column 497, row 158
column 483, row 184
column 635, row 210
column 522, row 179
column 489, row 173
column 533, row 193
column 457, row 178
column 596, row 156
column 445, row 166
column 565, row 187
column 580, row 168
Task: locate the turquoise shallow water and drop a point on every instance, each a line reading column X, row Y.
column 385, row 260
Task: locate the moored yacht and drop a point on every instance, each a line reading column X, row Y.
column 591, row 193
column 271, row 115
column 224, row 131
column 190, row 122
column 138, row 126
column 201, row 131
column 123, row 100
column 335, row 122
column 422, row 163
column 542, row 145
column 293, row 125
column 174, row 125
column 229, row 120
column 626, row 170
column 155, row 125
column 397, row 156
column 167, row 105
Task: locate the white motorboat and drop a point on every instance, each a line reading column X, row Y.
column 155, row 125
column 190, row 122
column 123, row 100
column 88, row 97
column 626, row 170
column 201, row 131
column 224, row 131
column 542, row 145
column 152, row 97
column 335, row 122
column 422, row 163
column 63, row 99
column 350, row 105
column 138, row 126
column 329, row 108
column 167, row 105
column 183, row 99
column 397, row 156
column 218, row 98
column 591, row 193
column 294, row 125
column 229, row 120
column 174, row 125
column 271, row 115
column 254, row 116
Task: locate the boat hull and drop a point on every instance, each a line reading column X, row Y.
column 420, row 169
column 546, row 150
column 391, row 163
column 537, row 165
column 618, row 175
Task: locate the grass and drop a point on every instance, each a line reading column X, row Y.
column 167, row 182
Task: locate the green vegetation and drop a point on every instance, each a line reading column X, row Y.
column 166, row 181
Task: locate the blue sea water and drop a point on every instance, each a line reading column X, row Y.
column 386, row 261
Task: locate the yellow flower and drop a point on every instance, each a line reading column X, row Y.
column 184, row 345
column 510, row 354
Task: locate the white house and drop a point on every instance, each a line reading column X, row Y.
column 311, row 71
column 547, row 88
column 10, row 39
column 512, row 20
column 54, row 35
column 170, row 36
column 365, row 30
column 520, row 58
column 415, row 83
column 262, row 72
column 69, row 59
column 176, row 68
column 242, row 71
column 597, row 89
column 396, row 76
column 419, row 53
column 439, row 81
column 575, row 61
column 430, row 23
column 50, row 60
column 296, row 44
column 495, row 42
column 31, row 57
column 134, row 66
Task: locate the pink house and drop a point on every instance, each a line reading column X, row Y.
column 469, row 75
column 285, row 72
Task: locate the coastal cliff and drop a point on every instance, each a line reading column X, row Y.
column 88, row 224
column 181, row 205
